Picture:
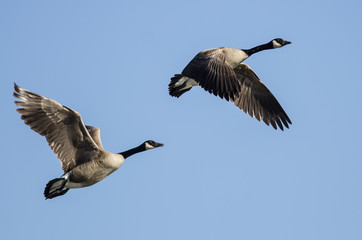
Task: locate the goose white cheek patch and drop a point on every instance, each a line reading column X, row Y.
column 149, row 146
column 276, row 44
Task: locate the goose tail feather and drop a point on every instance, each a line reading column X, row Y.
column 180, row 84
column 55, row 188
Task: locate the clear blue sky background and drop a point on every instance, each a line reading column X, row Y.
column 221, row 174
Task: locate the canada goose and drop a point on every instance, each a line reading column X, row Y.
column 220, row 71
column 77, row 146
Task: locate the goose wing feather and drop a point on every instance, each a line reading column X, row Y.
column 257, row 100
column 62, row 127
column 213, row 73
column 94, row 132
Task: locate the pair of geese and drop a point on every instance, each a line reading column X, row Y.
column 79, row 148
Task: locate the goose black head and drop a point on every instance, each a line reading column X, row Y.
column 278, row 42
column 150, row 144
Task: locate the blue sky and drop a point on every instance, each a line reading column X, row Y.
column 221, row 174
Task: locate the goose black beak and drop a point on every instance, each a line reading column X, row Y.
column 286, row 42
column 159, row 145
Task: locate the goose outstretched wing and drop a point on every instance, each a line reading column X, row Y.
column 62, row 127
column 256, row 100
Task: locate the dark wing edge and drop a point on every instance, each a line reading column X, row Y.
column 257, row 100
column 62, row 127
column 210, row 70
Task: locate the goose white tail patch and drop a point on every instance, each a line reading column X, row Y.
column 66, row 176
column 189, row 82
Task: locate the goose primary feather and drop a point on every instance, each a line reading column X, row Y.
column 78, row 147
column 220, row 71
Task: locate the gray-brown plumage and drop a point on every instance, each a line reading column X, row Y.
column 78, row 147
column 220, row 71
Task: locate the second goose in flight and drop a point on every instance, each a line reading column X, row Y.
column 78, row 147
column 220, row 71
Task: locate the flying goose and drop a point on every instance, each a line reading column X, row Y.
column 77, row 146
column 220, row 71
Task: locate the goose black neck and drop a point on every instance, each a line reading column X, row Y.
column 132, row 151
column 259, row 48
